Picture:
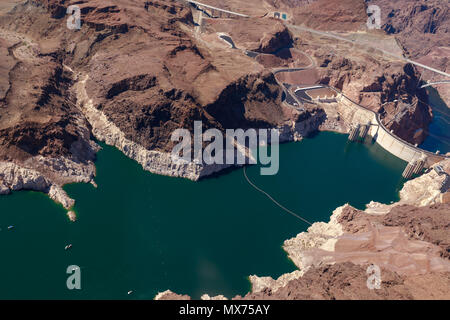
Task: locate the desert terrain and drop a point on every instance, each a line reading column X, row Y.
column 132, row 75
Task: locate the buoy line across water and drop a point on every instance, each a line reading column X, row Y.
column 273, row 200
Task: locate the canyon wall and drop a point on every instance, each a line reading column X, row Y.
column 408, row 240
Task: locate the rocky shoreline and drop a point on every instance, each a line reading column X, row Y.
column 48, row 120
column 161, row 162
column 15, row 177
column 408, row 239
column 136, row 108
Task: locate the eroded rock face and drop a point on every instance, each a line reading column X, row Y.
column 45, row 140
column 439, row 58
column 426, row 190
column 344, row 281
column 169, row 295
column 422, row 27
column 347, row 281
column 391, row 239
column 173, row 79
column 332, row 15
column 431, row 224
column 368, row 78
column 409, row 244
column 148, row 75
column 144, row 73
column 426, row 226
column 389, row 88
column 37, row 115
column 17, row 178
column 14, row 177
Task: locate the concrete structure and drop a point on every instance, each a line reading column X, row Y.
column 280, row 15
column 358, row 115
column 365, row 122
column 308, row 88
column 364, row 130
column 354, row 132
column 365, row 45
column 327, row 100
column 409, row 170
column 420, row 164
column 415, row 167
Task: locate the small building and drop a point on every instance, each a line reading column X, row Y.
column 439, row 170
column 280, row 15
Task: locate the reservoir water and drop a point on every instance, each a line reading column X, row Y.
column 148, row 233
column 439, row 128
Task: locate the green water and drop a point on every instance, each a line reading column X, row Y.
column 439, row 129
column 149, row 233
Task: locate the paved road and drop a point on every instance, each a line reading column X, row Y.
column 429, row 84
column 312, row 65
column 334, row 36
column 218, row 9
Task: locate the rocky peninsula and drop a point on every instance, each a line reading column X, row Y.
column 80, row 86
column 408, row 240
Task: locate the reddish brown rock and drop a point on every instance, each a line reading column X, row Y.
column 422, row 28
column 384, row 86
column 346, row 281
column 428, row 224
column 332, row 15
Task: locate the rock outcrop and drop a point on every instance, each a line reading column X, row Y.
column 14, row 177
column 47, row 127
column 332, row 15
column 136, row 107
column 390, row 239
column 387, row 87
column 347, row 281
column 131, row 76
column 408, row 242
column 422, row 28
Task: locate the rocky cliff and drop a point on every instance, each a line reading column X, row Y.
column 385, row 85
column 335, row 15
column 45, row 140
column 146, row 73
column 129, row 77
column 422, row 28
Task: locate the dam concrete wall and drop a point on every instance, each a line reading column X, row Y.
column 355, row 114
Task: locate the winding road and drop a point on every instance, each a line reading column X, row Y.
column 393, row 55
column 313, row 65
column 429, row 84
column 329, row 35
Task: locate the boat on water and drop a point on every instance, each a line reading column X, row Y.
column 68, row 247
column 10, row 227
